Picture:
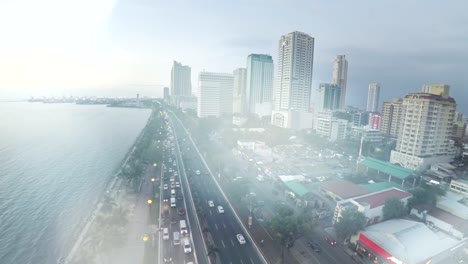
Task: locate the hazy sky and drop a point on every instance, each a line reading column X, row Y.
column 112, row 47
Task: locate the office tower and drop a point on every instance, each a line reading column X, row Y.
column 181, row 83
column 293, row 80
column 425, row 132
column 328, row 97
column 439, row 89
column 259, row 82
column 214, row 94
column 238, row 100
column 340, row 76
column 373, row 97
column 391, row 117
column 166, row 94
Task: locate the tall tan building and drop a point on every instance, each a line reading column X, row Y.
column 340, row 76
column 391, row 117
column 425, row 132
column 439, row 89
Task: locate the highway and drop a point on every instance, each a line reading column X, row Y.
column 223, row 226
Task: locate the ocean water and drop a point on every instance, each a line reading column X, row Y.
column 55, row 161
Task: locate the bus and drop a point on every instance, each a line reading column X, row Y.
column 183, row 227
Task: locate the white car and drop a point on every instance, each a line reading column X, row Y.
column 177, row 185
column 165, row 187
column 187, row 247
column 220, row 209
column 166, row 234
column 210, row 203
column 241, row 239
column 197, row 172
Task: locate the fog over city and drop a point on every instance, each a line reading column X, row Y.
column 401, row 45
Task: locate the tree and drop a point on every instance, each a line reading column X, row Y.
column 350, row 223
column 394, row 208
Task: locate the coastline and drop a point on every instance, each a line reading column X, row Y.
column 113, row 186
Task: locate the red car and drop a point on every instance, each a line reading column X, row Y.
column 330, row 241
column 181, row 211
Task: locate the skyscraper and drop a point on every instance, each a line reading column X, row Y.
column 373, row 97
column 425, row 131
column 214, row 94
column 293, row 80
column 181, row 83
column 259, row 82
column 439, row 89
column 327, row 97
column 391, row 117
column 238, row 100
column 340, row 76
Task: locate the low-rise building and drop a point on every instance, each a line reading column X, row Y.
column 459, row 186
column 330, row 127
column 442, row 220
column 371, row 205
column 369, row 134
column 342, row 189
column 400, row 241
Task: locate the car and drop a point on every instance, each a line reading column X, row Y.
column 166, row 200
column 187, row 247
column 174, row 164
column 181, row 211
column 166, row 233
column 170, row 169
column 172, row 185
column 220, row 209
column 315, row 246
column 330, row 241
column 197, row 172
column 176, row 173
column 165, row 187
column 172, row 178
column 179, row 197
column 177, row 185
column 210, row 203
column 240, row 238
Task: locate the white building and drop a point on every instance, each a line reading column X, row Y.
column 328, row 126
column 340, row 72
column 259, row 82
column 373, row 95
column 327, row 97
column 367, row 133
column 239, row 100
column 181, row 82
column 425, row 131
column 438, row 89
column 214, row 94
column 294, row 79
column 371, row 205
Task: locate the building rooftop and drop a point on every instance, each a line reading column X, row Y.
column 386, row 167
column 380, row 186
column 453, row 203
column 406, row 241
column 296, row 187
column 447, row 217
column 379, row 198
column 344, row 189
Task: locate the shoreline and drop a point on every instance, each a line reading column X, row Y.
column 112, row 185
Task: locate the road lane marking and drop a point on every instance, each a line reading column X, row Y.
column 242, row 261
column 232, row 242
column 251, row 260
column 224, row 225
column 216, row 226
column 222, row 242
column 211, row 213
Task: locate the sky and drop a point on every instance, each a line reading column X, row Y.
column 124, row 47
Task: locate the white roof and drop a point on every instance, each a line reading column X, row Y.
column 409, row 241
column 450, row 202
column 286, row 178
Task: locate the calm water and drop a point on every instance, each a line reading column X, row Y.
column 55, row 160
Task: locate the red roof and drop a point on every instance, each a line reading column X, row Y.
column 379, row 199
column 344, row 189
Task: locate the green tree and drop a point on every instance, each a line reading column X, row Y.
column 394, row 208
column 350, row 223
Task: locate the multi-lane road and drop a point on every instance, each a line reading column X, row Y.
column 223, row 227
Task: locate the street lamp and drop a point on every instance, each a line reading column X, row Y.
column 155, row 164
column 152, row 179
column 145, row 238
column 150, row 201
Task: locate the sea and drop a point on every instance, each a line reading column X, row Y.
column 55, row 163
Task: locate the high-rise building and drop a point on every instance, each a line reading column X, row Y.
column 293, row 80
column 181, row 82
column 239, row 100
column 340, row 76
column 327, row 97
column 166, row 94
column 458, row 117
column 439, row 89
column 214, row 94
column 459, row 129
column 391, row 117
column 330, row 127
column 259, row 82
column 426, row 129
column 373, row 97
column 375, row 121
